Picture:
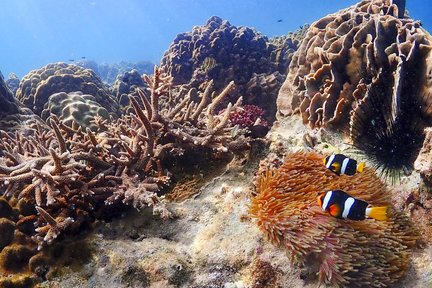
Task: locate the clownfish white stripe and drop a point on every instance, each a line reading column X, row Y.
column 326, row 200
column 344, row 165
column 330, row 161
column 347, row 207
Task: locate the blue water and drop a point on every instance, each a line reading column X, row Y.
column 37, row 32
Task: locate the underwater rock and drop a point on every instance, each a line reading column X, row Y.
column 342, row 252
column 75, row 109
column 37, row 86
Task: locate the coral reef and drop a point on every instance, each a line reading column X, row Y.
column 365, row 71
column 36, row 87
column 66, row 177
column 285, row 47
column 7, row 100
column 345, row 52
column 250, row 117
column 75, row 109
column 342, row 252
column 108, row 73
column 223, row 52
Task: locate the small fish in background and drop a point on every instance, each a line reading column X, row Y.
column 279, row 20
column 208, row 64
column 71, row 60
column 341, row 164
column 341, row 205
column 83, row 57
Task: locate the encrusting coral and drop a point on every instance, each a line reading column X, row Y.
column 68, row 176
column 342, row 252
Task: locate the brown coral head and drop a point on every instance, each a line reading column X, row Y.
column 348, row 253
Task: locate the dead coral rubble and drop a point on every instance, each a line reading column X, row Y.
column 345, row 253
column 68, row 175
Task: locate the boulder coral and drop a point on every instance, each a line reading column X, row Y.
column 37, row 86
column 346, row 253
column 345, row 53
column 75, row 109
column 64, row 177
column 223, row 52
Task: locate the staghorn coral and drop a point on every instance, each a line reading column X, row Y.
column 69, row 175
column 36, row 87
column 346, row 253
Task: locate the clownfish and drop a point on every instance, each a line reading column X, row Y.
column 341, row 205
column 341, row 164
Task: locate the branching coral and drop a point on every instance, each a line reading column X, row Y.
column 68, row 174
column 348, row 253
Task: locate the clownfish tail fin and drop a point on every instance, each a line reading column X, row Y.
column 361, row 166
column 377, row 213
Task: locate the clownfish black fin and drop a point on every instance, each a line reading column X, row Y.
column 377, row 213
column 361, row 166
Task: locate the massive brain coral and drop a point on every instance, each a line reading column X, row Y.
column 344, row 53
column 345, row 253
column 37, row 86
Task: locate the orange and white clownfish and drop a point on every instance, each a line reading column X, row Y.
column 341, row 205
column 341, row 164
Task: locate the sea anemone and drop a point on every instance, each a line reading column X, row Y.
column 342, row 252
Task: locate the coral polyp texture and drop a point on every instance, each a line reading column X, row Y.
column 343, row 253
column 37, row 86
column 366, row 71
column 75, row 109
column 66, row 177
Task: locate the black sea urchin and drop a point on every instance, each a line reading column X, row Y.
column 387, row 125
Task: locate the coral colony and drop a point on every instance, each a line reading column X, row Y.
column 73, row 150
column 365, row 75
column 60, row 177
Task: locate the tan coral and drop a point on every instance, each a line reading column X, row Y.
column 345, row 51
column 347, row 253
